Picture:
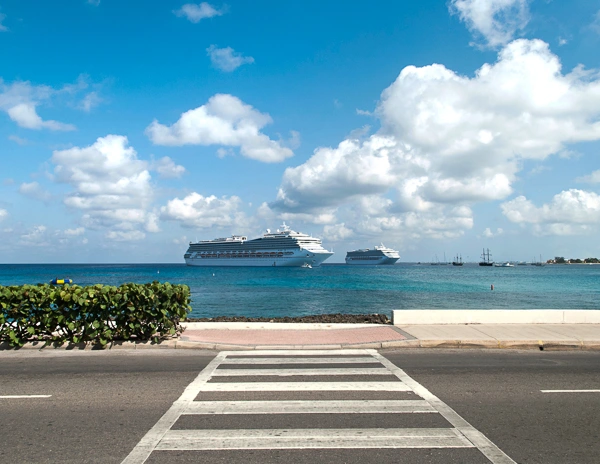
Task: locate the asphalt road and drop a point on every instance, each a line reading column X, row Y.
column 499, row 392
column 103, row 403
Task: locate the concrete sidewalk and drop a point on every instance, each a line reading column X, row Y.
column 258, row 335
column 248, row 336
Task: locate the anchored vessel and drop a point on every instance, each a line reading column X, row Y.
column 377, row 255
column 506, row 264
column 486, row 258
column 282, row 248
column 537, row 263
column 457, row 261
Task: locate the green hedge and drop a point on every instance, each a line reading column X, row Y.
column 98, row 313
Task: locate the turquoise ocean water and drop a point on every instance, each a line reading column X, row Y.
column 276, row 292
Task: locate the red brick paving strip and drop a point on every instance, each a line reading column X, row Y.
column 294, row 337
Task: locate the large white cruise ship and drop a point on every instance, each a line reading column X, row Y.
column 377, row 255
column 282, row 248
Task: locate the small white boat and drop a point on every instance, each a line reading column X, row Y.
column 506, row 264
column 306, row 265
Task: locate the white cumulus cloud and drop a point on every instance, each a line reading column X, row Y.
column 337, row 232
column 18, row 140
column 227, row 59
column 223, row 120
column 152, row 222
column 196, row 12
column 202, row 212
column 89, row 101
column 34, row 190
column 488, row 233
column 21, row 99
column 3, row 28
column 496, row 21
column 592, row 178
column 111, row 186
column 323, row 217
column 37, row 236
column 25, row 115
column 3, row 214
column 570, row 212
column 331, row 175
column 595, row 24
column 448, row 141
column 167, row 168
column 125, row 236
column 74, row 232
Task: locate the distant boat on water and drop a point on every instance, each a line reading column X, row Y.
column 437, row 262
column 457, row 261
column 506, row 264
column 486, row 258
column 538, row 263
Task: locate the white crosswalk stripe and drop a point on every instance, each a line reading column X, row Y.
column 290, row 372
column 221, row 376
column 308, row 407
column 303, row 386
column 198, row 440
column 279, row 360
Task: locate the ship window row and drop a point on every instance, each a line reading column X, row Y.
column 365, row 258
column 261, row 242
column 244, row 247
column 244, row 255
column 242, row 250
column 364, row 255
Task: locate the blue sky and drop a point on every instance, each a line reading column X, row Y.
column 128, row 129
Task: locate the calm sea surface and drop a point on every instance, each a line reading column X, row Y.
column 275, row 292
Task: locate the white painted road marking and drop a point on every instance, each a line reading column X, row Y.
column 310, row 407
column 303, row 386
column 290, row 372
column 298, row 353
column 200, row 440
column 298, row 360
column 162, row 437
column 10, row 397
column 570, row 391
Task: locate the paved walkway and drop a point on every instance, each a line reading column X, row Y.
column 297, row 336
column 340, row 337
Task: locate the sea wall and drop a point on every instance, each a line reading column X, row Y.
column 495, row 316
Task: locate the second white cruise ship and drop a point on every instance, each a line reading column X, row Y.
column 378, row 255
column 282, row 248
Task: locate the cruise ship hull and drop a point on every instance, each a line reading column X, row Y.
column 299, row 259
column 372, row 261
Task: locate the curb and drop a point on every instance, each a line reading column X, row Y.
column 540, row 345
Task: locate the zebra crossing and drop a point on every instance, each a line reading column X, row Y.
column 335, row 387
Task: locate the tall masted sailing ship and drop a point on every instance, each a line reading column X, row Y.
column 486, row 258
column 282, row 248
